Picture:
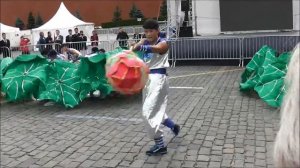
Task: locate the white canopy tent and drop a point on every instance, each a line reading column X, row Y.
column 8, row 29
column 12, row 33
column 62, row 21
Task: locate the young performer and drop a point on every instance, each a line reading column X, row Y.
column 155, row 93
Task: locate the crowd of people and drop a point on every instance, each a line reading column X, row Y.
column 76, row 40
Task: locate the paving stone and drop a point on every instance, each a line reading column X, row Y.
column 221, row 127
column 188, row 164
column 201, row 164
column 87, row 163
column 203, row 158
column 204, row 151
column 137, row 163
column 214, row 164
column 113, row 163
column 229, row 151
column 162, row 164
column 226, row 163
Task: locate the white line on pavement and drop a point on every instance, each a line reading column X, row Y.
column 179, row 87
column 98, row 118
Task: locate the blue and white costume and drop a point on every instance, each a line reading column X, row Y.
column 155, row 93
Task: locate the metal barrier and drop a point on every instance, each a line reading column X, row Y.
column 41, row 49
column 5, row 52
column 227, row 47
column 238, row 48
column 214, row 48
column 252, row 44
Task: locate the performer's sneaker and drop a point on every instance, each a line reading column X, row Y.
column 176, row 129
column 156, row 150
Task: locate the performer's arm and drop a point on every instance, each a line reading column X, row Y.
column 160, row 48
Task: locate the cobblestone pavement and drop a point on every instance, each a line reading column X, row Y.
column 221, row 127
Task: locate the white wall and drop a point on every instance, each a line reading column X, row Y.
column 296, row 13
column 207, row 17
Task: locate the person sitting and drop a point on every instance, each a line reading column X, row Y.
column 71, row 53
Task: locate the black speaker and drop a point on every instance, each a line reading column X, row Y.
column 185, row 6
column 186, row 31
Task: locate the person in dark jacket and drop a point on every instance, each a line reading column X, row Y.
column 5, row 46
column 42, row 43
column 49, row 41
column 69, row 38
column 76, row 39
column 122, row 37
column 84, row 40
column 58, row 40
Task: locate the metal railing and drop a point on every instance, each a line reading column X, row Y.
column 41, row 49
column 251, row 44
column 5, row 52
column 238, row 48
column 213, row 48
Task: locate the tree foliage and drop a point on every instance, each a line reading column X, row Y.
column 19, row 23
column 38, row 21
column 30, row 21
column 135, row 12
column 77, row 14
column 117, row 15
column 163, row 11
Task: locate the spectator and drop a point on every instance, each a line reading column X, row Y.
column 49, row 41
column 70, row 53
column 76, row 39
column 24, row 45
column 58, row 39
column 94, row 39
column 122, row 37
column 137, row 36
column 69, row 38
column 4, row 46
column 83, row 39
column 162, row 34
column 42, row 43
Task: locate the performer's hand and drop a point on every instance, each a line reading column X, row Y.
column 137, row 45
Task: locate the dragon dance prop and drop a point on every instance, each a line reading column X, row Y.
column 33, row 76
column 126, row 72
column 63, row 84
column 265, row 74
column 91, row 70
column 24, row 77
column 3, row 66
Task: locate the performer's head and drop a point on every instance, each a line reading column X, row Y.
column 151, row 29
column 64, row 47
column 52, row 54
column 95, row 50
